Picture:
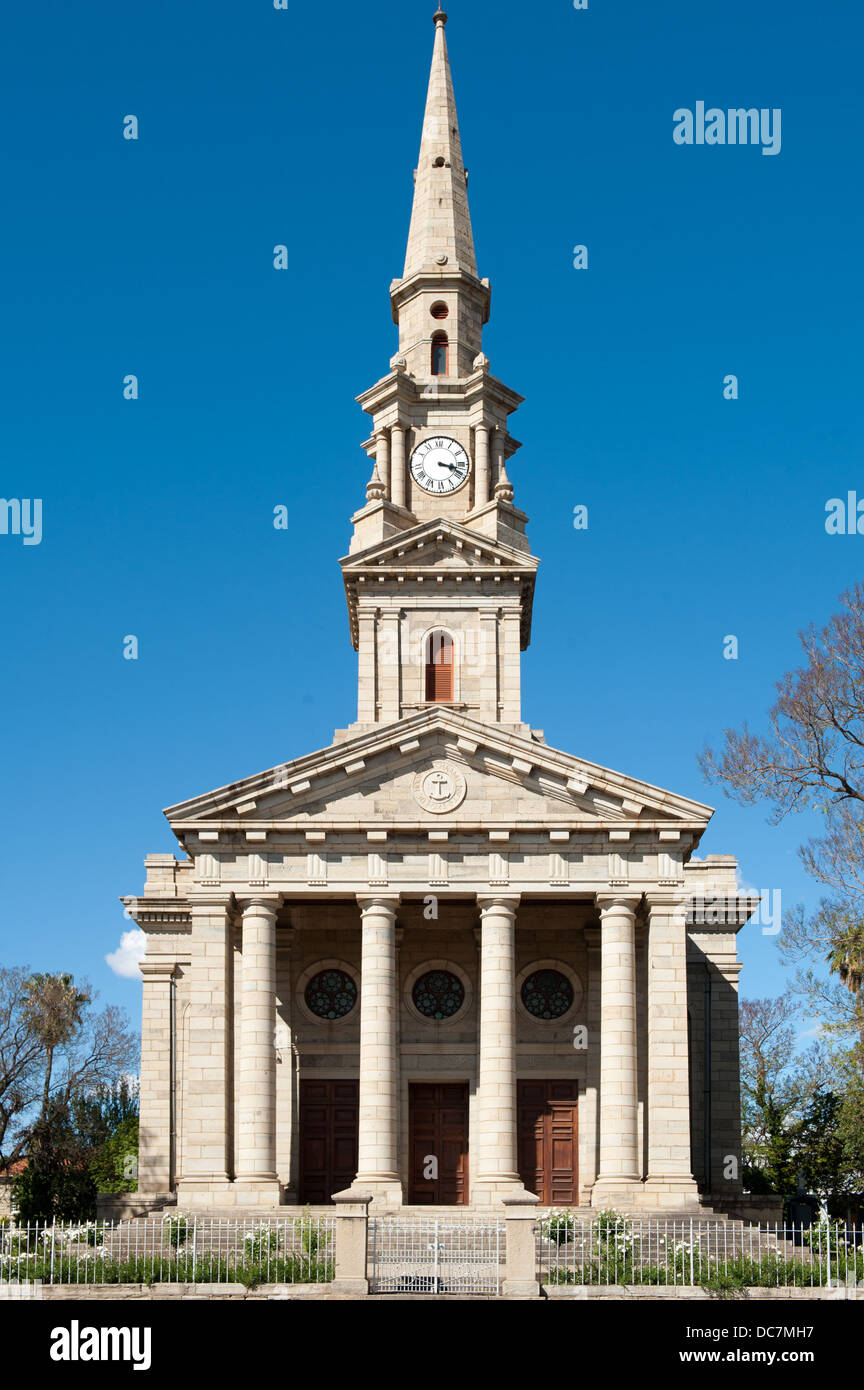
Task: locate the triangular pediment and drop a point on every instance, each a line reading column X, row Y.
column 439, row 544
column 439, row 769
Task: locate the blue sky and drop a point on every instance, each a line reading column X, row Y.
column 302, row 127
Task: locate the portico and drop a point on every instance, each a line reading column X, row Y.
column 280, row 1101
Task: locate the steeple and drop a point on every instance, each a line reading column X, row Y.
column 440, row 219
column 440, row 576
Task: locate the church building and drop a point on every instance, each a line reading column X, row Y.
column 439, row 961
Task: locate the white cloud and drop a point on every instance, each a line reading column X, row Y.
column 125, row 960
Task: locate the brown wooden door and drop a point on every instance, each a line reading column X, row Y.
column 439, row 1131
column 549, row 1140
column 328, row 1138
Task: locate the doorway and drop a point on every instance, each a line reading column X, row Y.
column 548, row 1113
column 438, row 1144
column 329, row 1113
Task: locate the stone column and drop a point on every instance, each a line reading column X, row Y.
column 670, row 1180
column 495, row 1163
column 203, row 1179
column 589, row 1129
column 256, row 1070
column 620, row 1171
column 382, row 459
column 377, row 1158
column 154, row 1151
column 481, row 488
column 397, row 474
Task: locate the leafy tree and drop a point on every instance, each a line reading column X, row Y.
column 777, row 1087
column 78, row 1149
column 113, row 1167
column 56, row 1184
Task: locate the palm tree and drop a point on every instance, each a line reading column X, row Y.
column 54, row 1007
column 846, row 957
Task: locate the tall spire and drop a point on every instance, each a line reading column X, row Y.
column 440, row 221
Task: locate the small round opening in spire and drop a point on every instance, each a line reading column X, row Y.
column 439, row 310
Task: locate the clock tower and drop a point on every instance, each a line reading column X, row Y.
column 440, row 578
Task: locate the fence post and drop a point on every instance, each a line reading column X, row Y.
column 521, row 1280
column 351, row 1242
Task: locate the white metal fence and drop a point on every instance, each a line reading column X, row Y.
column 436, row 1255
column 175, row 1250
column 720, row 1255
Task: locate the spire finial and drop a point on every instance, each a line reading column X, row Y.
column 504, row 489
column 440, row 17
column 375, row 489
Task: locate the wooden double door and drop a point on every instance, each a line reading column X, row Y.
column 438, row 1144
column 329, row 1113
column 548, row 1140
column 438, row 1141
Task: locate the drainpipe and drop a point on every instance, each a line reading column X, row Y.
column 172, row 1068
column 707, row 1124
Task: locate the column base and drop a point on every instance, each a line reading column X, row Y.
column 674, row 1193
column 199, row 1195
column 202, row 1194
column 616, row 1193
column 257, row 1192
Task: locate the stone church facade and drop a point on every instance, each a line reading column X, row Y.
column 439, row 961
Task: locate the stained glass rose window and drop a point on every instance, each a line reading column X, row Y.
column 547, row 994
column 331, row 994
column 438, row 994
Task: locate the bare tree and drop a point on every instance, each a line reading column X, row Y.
column 816, row 743
column 813, row 758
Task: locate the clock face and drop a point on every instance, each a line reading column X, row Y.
column 439, row 464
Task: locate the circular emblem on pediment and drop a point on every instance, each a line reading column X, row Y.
column 440, row 787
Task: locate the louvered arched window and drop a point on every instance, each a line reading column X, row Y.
column 439, row 667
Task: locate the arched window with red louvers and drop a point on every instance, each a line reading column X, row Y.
column 439, row 667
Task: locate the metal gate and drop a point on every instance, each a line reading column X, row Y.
column 434, row 1254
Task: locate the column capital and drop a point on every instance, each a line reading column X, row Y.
column 260, row 904
column 376, row 902
column 498, row 902
column 628, row 902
